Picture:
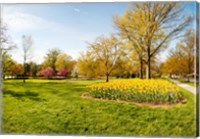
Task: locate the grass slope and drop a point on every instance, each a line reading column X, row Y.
column 189, row 83
column 56, row 107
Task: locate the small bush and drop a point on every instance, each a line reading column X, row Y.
column 137, row 90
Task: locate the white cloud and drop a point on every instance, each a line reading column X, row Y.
column 21, row 21
column 46, row 34
column 77, row 10
column 74, row 9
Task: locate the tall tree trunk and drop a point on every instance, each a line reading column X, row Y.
column 24, row 75
column 189, row 69
column 107, row 77
column 148, row 70
column 141, row 69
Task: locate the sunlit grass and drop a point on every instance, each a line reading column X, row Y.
column 56, row 107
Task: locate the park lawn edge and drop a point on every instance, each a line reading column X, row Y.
column 162, row 115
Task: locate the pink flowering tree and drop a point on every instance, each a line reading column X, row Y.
column 62, row 72
column 47, row 72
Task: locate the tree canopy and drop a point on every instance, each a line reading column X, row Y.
column 150, row 26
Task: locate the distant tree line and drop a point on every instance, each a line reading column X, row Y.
column 181, row 59
column 144, row 31
column 56, row 63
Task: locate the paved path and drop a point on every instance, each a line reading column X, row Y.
column 185, row 86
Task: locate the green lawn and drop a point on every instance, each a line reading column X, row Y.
column 189, row 83
column 192, row 84
column 56, row 107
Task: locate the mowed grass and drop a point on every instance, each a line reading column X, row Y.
column 192, row 84
column 56, row 107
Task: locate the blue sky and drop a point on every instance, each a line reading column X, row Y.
column 65, row 26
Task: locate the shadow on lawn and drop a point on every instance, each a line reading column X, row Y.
column 28, row 94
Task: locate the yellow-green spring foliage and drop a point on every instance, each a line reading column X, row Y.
column 154, row 91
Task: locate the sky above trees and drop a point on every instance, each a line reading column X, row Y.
column 64, row 26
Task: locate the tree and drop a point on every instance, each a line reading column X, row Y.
column 107, row 50
column 65, row 61
column 7, row 64
column 88, row 65
column 75, row 71
column 188, row 46
column 51, row 58
column 62, row 72
column 150, row 27
column 5, row 40
column 16, row 69
column 47, row 72
column 174, row 64
column 5, row 45
column 33, row 69
column 156, row 67
column 137, row 56
column 27, row 43
column 125, row 67
column 181, row 59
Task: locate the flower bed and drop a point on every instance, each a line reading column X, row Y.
column 136, row 90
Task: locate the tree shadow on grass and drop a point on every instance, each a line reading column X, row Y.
column 27, row 94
